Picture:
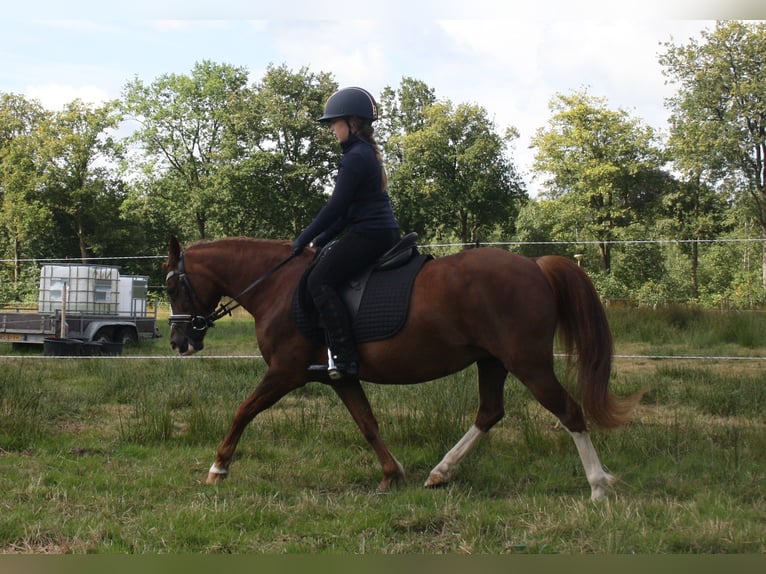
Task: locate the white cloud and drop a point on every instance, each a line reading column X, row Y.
column 617, row 59
column 517, row 67
column 162, row 25
column 510, row 46
column 55, row 96
column 511, row 67
column 509, row 64
column 352, row 51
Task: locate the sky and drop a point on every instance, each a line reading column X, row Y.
column 507, row 56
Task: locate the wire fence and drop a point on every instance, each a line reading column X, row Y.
column 444, row 248
column 435, row 246
column 176, row 357
column 748, row 256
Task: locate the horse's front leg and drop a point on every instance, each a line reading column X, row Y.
column 272, row 387
column 355, row 399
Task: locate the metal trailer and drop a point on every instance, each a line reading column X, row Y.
column 92, row 303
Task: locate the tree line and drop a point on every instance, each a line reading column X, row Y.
column 212, row 153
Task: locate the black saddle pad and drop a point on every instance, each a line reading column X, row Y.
column 383, row 308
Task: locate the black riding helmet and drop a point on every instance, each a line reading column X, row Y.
column 348, row 102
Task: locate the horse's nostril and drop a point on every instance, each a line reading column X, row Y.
column 180, row 346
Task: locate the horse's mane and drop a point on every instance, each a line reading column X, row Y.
column 236, row 239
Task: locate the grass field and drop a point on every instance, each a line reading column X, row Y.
column 109, row 455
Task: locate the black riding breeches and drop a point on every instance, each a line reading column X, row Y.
column 349, row 256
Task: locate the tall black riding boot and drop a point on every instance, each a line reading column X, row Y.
column 340, row 337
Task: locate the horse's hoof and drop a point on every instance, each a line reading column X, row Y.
column 215, row 478
column 600, row 490
column 385, row 486
column 435, row 480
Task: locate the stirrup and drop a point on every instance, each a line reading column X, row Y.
column 344, row 370
column 337, row 371
column 321, row 373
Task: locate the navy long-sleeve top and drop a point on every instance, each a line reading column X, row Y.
column 358, row 201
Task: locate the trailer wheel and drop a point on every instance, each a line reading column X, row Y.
column 127, row 336
column 103, row 336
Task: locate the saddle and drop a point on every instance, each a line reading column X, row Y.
column 377, row 299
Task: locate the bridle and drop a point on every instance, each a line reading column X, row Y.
column 200, row 323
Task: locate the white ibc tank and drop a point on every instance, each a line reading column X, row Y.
column 89, row 289
column 133, row 290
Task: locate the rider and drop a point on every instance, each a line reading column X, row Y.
column 358, row 211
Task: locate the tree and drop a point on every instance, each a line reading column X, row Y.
column 454, row 180
column 402, row 113
column 182, row 124
column 76, row 148
column 539, row 233
column 693, row 212
column 718, row 121
column 288, row 157
column 24, row 218
column 603, row 167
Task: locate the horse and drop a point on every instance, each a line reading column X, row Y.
column 485, row 306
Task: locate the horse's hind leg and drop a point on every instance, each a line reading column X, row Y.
column 492, row 376
column 600, row 481
column 548, row 391
column 353, row 396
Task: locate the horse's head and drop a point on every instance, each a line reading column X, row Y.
column 191, row 303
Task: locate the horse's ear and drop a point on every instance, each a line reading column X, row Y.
column 175, row 250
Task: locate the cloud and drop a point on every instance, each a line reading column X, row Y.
column 164, row 25
column 508, row 64
column 353, row 51
column 618, row 59
column 55, row 96
column 511, row 67
column 514, row 68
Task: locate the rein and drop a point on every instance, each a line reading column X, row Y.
column 202, row 322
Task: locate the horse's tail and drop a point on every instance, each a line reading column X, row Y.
column 583, row 327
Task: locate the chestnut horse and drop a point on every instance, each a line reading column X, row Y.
column 485, row 306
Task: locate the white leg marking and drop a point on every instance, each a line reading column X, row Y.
column 598, row 478
column 217, row 470
column 443, row 471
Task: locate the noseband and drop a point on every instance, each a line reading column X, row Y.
column 200, row 323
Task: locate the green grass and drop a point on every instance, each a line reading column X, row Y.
column 110, row 456
column 678, row 330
